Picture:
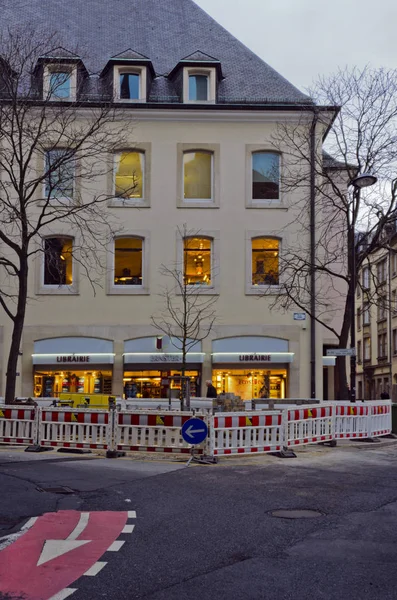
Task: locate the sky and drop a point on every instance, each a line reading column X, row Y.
column 303, row 39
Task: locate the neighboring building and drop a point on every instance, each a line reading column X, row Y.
column 206, row 109
column 376, row 322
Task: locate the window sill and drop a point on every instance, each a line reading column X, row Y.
column 130, row 100
column 62, row 290
column 56, row 201
column 197, row 204
column 120, row 203
column 201, row 290
column 124, row 290
column 264, row 290
column 266, row 204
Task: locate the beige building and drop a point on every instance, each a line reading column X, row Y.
column 201, row 154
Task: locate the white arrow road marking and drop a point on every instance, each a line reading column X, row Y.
column 54, row 548
column 128, row 529
column 94, row 570
column 190, row 431
column 115, row 547
column 65, row 593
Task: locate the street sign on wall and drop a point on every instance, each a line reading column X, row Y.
column 299, row 316
column 341, row 352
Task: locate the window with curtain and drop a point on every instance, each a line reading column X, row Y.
column 128, row 261
column 130, row 86
column 197, row 176
column 265, row 176
column 265, row 261
column 197, row 260
column 198, row 88
column 58, row 261
column 129, row 175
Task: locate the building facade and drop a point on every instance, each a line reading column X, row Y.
column 201, row 159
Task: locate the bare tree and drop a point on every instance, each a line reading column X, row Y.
column 188, row 315
column 53, row 153
column 361, row 139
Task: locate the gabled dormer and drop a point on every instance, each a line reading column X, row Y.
column 128, row 76
column 59, row 75
column 196, row 77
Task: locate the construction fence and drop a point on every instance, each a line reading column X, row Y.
column 255, row 431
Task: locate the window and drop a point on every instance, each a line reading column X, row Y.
column 197, row 260
column 197, row 176
column 382, row 345
column 381, row 271
column 265, row 176
column 59, row 168
column 129, row 86
column 128, row 256
column 366, row 278
column 381, row 308
column 58, row 261
column 359, row 351
column 359, row 319
column 60, row 85
column 394, row 341
column 265, row 261
column 366, row 314
column 198, row 88
column 129, row 176
column 393, row 258
column 394, row 301
column 130, row 83
column 367, row 348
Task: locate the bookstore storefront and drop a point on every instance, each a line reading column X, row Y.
column 251, row 367
column 152, row 368
column 72, row 365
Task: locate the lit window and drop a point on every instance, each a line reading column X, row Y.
column 197, row 176
column 128, row 261
column 265, row 261
column 59, row 166
column 129, row 173
column 197, row 261
column 60, row 85
column 198, row 88
column 129, row 86
column 58, row 261
column 265, row 176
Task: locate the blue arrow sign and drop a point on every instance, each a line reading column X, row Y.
column 194, row 431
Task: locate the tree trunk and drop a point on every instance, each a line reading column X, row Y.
column 341, row 387
column 19, row 320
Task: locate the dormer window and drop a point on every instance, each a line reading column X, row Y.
column 198, row 88
column 60, row 83
column 130, row 84
column 199, row 85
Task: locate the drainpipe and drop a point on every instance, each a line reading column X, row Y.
column 313, row 256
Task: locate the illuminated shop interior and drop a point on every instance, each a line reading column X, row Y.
column 129, row 175
column 265, row 264
column 158, row 384
column 251, row 383
column 49, row 384
column 197, row 260
column 58, row 261
column 197, row 175
column 128, row 261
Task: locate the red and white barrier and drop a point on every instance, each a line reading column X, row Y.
column 152, row 432
column 74, row 428
column 352, row 420
column 380, row 419
column 18, row 425
column 309, row 425
column 245, row 433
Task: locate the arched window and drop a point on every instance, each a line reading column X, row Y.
column 129, row 175
column 265, row 261
column 58, row 261
column 197, row 260
column 265, row 176
column 198, row 176
column 128, row 261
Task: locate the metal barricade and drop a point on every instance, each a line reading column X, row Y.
column 152, row 432
column 74, row 428
column 18, row 425
column 309, row 425
column 249, row 432
column 380, row 417
column 352, row 420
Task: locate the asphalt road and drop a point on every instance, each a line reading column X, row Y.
column 207, row 532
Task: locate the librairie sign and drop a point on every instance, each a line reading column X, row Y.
column 253, row 357
column 73, row 359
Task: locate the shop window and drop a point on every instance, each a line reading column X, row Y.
column 265, row 261
column 128, row 261
column 197, row 260
column 59, row 169
column 58, row 261
column 265, row 176
column 129, row 176
column 198, row 176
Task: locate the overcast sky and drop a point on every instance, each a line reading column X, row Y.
column 304, row 38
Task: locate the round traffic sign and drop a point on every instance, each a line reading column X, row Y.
column 194, row 431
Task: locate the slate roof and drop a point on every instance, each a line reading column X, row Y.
column 165, row 31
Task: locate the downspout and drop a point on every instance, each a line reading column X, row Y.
column 313, row 256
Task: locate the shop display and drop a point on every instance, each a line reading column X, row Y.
column 248, row 384
column 158, row 384
column 51, row 384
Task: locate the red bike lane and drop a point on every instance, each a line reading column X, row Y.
column 57, row 550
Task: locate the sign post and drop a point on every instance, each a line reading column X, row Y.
column 194, row 431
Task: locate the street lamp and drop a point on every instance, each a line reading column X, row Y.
column 359, row 182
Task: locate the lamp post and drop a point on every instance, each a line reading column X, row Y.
column 359, row 182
